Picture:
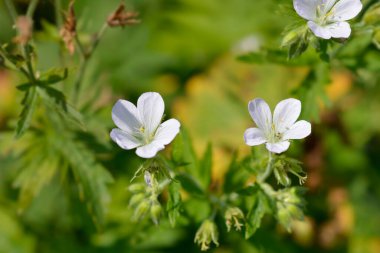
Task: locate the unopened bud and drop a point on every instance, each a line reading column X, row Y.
column 142, row 209
column 282, row 177
column 136, row 188
column 372, row 15
column 376, row 38
column 207, row 233
column 136, row 199
column 148, row 178
column 155, row 212
column 233, row 215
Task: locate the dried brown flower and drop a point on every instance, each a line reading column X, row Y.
column 120, row 17
column 68, row 31
column 24, row 26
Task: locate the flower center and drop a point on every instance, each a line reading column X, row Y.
column 274, row 136
column 324, row 15
column 145, row 136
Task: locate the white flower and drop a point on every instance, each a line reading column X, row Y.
column 276, row 132
column 327, row 18
column 141, row 127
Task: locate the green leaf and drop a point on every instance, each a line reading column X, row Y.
column 29, row 104
column 313, row 90
column 256, row 213
column 235, row 175
column 174, row 203
column 53, row 76
column 56, row 100
column 91, row 176
column 178, row 149
column 36, row 167
column 205, row 167
column 190, row 184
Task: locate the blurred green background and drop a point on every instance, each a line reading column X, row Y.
column 187, row 50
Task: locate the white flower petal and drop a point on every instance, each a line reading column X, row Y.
column 319, row 31
column 167, row 131
column 307, row 9
column 299, row 130
column 254, row 136
column 150, row 150
column 278, row 147
column 261, row 114
column 339, row 30
column 346, row 10
column 125, row 116
column 151, row 109
column 124, row 139
column 286, row 113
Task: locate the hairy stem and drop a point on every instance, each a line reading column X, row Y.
column 268, row 169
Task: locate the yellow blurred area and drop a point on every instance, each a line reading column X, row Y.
column 7, row 96
column 341, row 83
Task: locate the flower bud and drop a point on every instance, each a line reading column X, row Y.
column 136, row 188
column 148, row 178
column 372, row 16
column 376, row 38
column 207, row 233
column 137, row 198
column 282, row 177
column 155, row 212
column 232, row 217
column 142, row 209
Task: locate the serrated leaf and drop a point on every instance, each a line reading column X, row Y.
column 53, row 76
column 256, row 213
column 174, row 203
column 36, row 165
column 57, row 100
column 91, row 176
column 29, row 104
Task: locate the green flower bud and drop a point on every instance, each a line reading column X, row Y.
column 232, row 217
column 376, row 38
column 207, row 233
column 155, row 212
column 282, row 177
column 136, row 188
column 284, row 218
column 372, row 15
column 141, row 209
column 136, row 199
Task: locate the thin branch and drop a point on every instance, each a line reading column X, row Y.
column 31, row 8
column 11, row 10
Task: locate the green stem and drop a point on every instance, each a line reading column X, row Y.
column 29, row 64
column 268, row 169
column 85, row 57
column 31, row 8
column 11, row 10
column 57, row 10
column 16, row 68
